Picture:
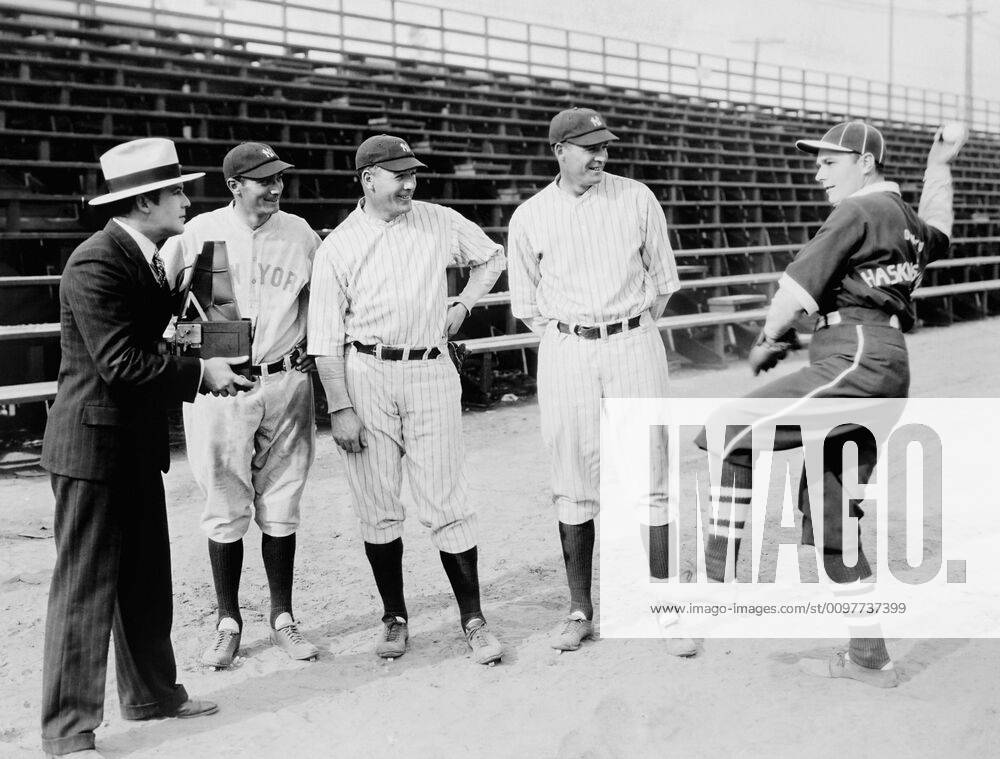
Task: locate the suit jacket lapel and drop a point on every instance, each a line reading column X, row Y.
column 124, row 241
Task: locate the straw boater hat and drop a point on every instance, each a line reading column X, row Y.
column 139, row 166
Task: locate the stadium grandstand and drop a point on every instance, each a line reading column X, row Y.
column 712, row 137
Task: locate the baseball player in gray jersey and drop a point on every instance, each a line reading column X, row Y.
column 378, row 324
column 591, row 269
column 251, row 454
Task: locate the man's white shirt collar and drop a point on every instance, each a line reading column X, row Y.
column 146, row 246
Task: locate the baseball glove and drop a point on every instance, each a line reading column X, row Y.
column 766, row 353
column 457, row 352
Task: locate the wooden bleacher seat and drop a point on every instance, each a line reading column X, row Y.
column 28, row 392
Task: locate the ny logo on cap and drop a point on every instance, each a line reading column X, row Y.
column 405, row 148
column 595, row 120
column 268, row 153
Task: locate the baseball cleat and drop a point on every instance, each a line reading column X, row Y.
column 289, row 639
column 840, row 665
column 224, row 646
column 486, row 649
column 393, row 638
column 576, row 629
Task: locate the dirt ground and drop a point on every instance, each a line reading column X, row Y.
column 612, row 698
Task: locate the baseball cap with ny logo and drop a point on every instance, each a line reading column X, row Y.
column 253, row 160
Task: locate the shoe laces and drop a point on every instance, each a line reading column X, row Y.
column 477, row 636
column 572, row 623
column 222, row 638
column 291, row 631
column 393, row 630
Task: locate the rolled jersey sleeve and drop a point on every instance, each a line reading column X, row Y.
column 328, row 305
column 807, row 277
column 471, row 246
column 657, row 254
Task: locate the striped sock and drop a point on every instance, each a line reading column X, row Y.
column 730, row 507
column 578, row 554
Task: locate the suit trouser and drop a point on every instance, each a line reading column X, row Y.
column 112, row 572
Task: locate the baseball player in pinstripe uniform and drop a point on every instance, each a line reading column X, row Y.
column 591, row 270
column 251, row 454
column 378, row 324
column 857, row 276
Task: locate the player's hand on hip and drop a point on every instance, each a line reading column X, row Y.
column 454, row 319
column 303, row 362
column 348, row 431
column 218, row 377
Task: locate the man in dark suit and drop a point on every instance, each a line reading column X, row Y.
column 105, row 447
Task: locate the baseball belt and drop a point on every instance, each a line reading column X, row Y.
column 869, row 316
column 283, row 364
column 388, row 353
column 602, row 330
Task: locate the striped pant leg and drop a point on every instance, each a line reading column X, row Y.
column 569, row 399
column 219, row 435
column 80, row 610
column 112, row 571
column 634, row 365
column 284, row 447
column 375, row 475
column 145, row 666
column 431, row 410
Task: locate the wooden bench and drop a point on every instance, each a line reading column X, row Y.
column 673, row 328
column 28, row 331
column 11, row 395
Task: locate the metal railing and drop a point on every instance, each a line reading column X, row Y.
column 332, row 31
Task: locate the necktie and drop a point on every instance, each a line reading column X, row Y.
column 159, row 272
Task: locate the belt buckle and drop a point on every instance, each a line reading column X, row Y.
column 378, row 351
column 287, row 362
column 264, row 371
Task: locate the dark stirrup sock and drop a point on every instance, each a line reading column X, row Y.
column 578, row 554
column 869, row 652
column 279, row 566
column 227, row 566
column 656, row 542
column 386, row 560
column 463, row 574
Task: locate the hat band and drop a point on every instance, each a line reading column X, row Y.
column 144, row 177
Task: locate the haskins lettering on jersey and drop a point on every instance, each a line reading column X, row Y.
column 893, row 274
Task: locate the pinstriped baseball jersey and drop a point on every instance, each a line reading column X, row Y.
column 600, row 257
column 384, row 282
column 270, row 268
